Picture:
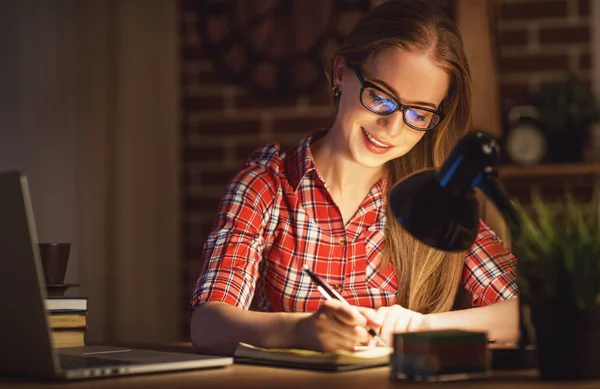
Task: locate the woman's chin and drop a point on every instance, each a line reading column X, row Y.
column 368, row 160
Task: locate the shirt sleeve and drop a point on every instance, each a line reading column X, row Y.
column 234, row 247
column 490, row 269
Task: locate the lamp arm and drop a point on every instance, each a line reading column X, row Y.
column 493, row 189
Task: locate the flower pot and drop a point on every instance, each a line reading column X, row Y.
column 567, row 341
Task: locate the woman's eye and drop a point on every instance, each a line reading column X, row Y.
column 378, row 99
column 415, row 117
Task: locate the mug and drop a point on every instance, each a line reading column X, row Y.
column 55, row 257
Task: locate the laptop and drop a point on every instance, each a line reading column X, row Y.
column 25, row 344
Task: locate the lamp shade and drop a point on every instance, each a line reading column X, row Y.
column 439, row 207
column 433, row 215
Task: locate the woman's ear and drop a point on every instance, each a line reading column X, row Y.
column 339, row 66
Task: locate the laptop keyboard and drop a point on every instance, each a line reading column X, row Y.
column 67, row 362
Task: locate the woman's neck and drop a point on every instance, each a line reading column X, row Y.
column 342, row 174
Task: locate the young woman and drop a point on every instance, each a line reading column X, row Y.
column 401, row 90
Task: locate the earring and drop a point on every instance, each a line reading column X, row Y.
column 336, row 91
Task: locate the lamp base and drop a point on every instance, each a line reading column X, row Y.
column 513, row 358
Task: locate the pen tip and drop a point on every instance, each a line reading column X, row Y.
column 305, row 267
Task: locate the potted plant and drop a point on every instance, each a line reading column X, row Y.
column 559, row 280
column 567, row 110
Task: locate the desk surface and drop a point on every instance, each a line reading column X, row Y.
column 246, row 376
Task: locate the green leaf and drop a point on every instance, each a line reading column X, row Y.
column 559, row 250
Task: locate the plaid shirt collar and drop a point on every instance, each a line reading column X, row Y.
column 299, row 162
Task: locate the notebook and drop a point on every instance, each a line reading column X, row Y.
column 341, row 360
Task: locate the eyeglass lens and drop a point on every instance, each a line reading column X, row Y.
column 384, row 104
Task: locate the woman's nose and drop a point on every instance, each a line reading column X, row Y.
column 393, row 124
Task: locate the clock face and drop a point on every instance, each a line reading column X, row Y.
column 276, row 46
column 525, row 145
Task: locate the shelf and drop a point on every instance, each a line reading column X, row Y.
column 549, row 170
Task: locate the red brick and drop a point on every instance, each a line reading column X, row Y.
column 188, row 22
column 535, row 63
column 585, row 61
column 320, row 98
column 514, row 91
column 186, row 79
column 190, row 232
column 300, row 125
column 184, row 129
column 202, row 103
column 564, row 35
column 243, row 152
column 445, row 5
column 584, row 7
column 201, row 203
column 185, row 178
column 513, row 38
column 254, row 101
column 186, row 230
column 192, row 252
column 191, row 53
column 207, row 226
column 200, row 154
column 211, row 78
column 229, row 128
column 183, row 27
column 187, row 5
column 216, row 178
column 533, row 10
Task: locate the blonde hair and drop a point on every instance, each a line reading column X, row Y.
column 428, row 279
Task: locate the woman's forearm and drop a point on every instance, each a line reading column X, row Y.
column 500, row 320
column 217, row 328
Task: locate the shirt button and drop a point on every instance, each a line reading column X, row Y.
column 338, row 288
column 342, row 241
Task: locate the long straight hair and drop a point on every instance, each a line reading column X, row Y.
column 428, row 279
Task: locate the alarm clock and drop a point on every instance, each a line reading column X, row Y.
column 525, row 143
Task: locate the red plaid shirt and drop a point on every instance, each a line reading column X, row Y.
column 276, row 216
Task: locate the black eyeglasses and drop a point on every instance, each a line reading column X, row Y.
column 381, row 102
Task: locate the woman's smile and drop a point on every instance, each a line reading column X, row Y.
column 375, row 144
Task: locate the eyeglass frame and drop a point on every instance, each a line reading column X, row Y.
column 364, row 84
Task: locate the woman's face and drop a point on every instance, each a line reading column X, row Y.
column 411, row 78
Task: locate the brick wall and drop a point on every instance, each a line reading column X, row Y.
column 222, row 123
column 539, row 40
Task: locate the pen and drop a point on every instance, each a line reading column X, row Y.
column 331, row 294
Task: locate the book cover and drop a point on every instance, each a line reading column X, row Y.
column 339, row 360
column 68, row 338
column 66, row 303
column 67, row 319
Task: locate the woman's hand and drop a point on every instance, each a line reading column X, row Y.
column 398, row 319
column 336, row 326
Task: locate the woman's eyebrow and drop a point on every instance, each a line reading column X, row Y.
column 388, row 87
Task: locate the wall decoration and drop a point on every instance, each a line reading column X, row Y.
column 275, row 47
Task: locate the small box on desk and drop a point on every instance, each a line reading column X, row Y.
column 440, row 356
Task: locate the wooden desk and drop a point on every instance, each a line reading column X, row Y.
column 259, row 377
column 243, row 376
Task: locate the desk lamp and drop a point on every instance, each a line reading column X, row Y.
column 439, row 207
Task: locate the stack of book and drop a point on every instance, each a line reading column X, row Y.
column 68, row 320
